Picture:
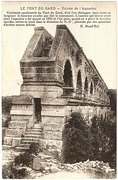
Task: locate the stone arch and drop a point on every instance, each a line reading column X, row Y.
column 86, row 85
column 91, row 88
column 67, row 76
column 79, row 82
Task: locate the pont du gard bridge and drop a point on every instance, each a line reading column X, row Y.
column 58, row 79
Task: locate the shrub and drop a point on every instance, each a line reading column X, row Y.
column 26, row 158
column 104, row 139
column 82, row 142
column 34, row 148
column 6, row 170
column 6, row 104
column 76, row 139
column 9, row 171
column 6, row 107
column 18, row 173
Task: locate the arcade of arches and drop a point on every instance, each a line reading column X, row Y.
column 87, row 89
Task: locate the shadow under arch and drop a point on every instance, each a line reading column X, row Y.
column 91, row 88
column 79, row 82
column 86, row 86
column 67, row 77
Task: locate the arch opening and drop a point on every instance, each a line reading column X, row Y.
column 86, row 86
column 67, row 77
column 79, row 82
column 91, row 88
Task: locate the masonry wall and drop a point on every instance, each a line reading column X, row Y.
column 43, row 68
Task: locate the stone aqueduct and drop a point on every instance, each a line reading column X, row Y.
column 58, row 79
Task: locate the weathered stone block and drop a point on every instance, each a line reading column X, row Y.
column 16, row 142
column 54, row 168
column 17, row 124
column 54, row 101
column 15, row 117
column 52, row 127
column 37, row 165
column 53, row 107
column 52, row 119
column 53, row 112
column 8, row 140
column 14, row 132
column 22, row 100
column 21, row 111
column 42, row 94
column 52, row 135
column 22, row 106
column 57, row 143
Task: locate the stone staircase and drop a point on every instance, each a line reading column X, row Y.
column 31, row 135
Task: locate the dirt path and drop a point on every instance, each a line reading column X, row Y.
column 66, row 175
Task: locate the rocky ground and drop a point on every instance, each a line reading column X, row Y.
column 8, row 155
column 47, row 167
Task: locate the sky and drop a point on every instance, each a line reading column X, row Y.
column 99, row 45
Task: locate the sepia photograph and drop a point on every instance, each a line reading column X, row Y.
column 59, row 90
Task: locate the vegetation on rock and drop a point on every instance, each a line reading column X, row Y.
column 82, row 142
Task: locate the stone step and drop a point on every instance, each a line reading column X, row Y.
column 25, row 144
column 29, row 140
column 33, row 132
column 22, row 148
column 6, row 147
column 33, row 135
column 37, row 125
